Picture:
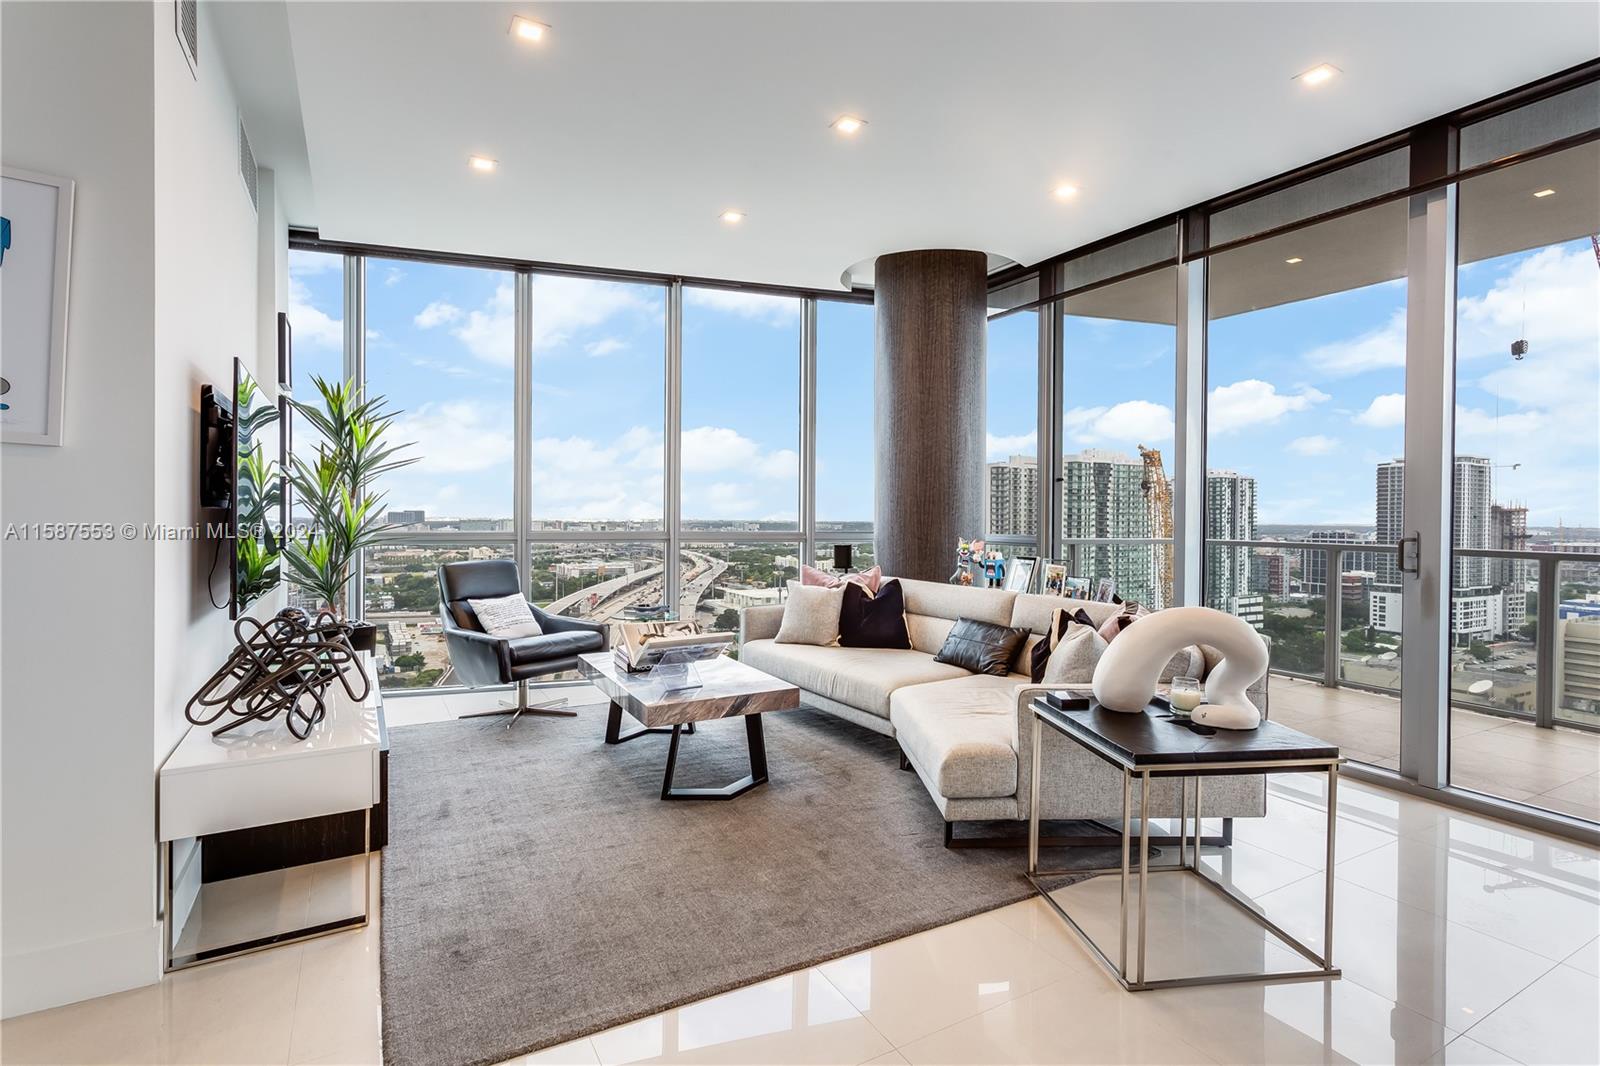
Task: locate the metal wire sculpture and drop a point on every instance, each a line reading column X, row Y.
column 286, row 665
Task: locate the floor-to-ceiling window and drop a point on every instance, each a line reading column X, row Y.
column 1011, row 437
column 1305, row 411
column 844, row 432
column 1526, row 501
column 740, row 451
column 1118, row 346
column 440, row 351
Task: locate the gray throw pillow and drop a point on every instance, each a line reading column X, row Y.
column 506, row 616
column 811, row 615
column 1076, row 655
column 1189, row 662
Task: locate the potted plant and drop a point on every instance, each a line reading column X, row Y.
column 336, row 490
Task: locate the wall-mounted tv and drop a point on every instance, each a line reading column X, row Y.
column 241, row 472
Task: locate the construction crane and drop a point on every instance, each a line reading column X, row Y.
column 1158, row 502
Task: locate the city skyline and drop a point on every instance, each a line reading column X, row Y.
column 1311, row 388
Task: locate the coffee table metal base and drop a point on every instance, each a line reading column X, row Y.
column 757, row 776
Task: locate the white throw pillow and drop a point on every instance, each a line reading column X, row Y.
column 811, row 616
column 506, row 616
column 1075, row 656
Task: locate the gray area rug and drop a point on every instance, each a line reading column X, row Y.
column 536, row 888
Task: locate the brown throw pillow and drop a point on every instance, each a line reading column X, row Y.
column 868, row 621
column 981, row 647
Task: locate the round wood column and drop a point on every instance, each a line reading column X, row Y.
column 932, row 343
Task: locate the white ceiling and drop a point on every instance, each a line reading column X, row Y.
column 624, row 134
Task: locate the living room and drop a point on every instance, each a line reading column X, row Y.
column 1084, row 445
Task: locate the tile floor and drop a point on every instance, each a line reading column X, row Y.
column 1462, row 940
column 1557, row 769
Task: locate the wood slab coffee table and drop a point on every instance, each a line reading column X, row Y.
column 728, row 689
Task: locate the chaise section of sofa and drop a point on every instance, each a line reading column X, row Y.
column 965, row 734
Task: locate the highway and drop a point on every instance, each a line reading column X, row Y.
column 642, row 588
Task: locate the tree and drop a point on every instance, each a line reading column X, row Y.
column 1530, row 629
column 727, row 620
column 413, row 661
column 1479, row 651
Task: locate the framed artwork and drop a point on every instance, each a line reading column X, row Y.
column 35, row 248
column 1078, row 588
column 1019, row 575
column 285, row 354
column 1104, row 589
column 1055, row 579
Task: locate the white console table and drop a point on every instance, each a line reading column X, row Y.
column 258, row 774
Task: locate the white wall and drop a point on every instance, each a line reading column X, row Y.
column 101, row 643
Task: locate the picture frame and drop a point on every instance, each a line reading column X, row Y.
column 1055, row 579
column 1105, row 589
column 35, row 275
column 285, row 354
column 1019, row 574
column 1078, row 588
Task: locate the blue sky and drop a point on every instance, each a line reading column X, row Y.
column 1306, row 397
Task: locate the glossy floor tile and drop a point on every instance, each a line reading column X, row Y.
column 1462, row 940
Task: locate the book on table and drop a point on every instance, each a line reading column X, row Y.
column 641, row 645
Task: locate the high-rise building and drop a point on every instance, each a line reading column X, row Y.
column 1231, row 515
column 1314, row 564
column 1269, row 573
column 1390, row 520
column 406, row 518
column 1485, row 599
column 1014, row 497
column 1472, row 483
column 1103, row 497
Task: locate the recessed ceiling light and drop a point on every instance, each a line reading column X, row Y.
column 482, row 162
column 1317, row 75
column 1542, row 193
column 526, row 29
column 1065, row 192
column 849, row 125
column 732, row 216
column 1293, row 259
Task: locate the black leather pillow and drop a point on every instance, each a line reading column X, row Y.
column 1060, row 619
column 868, row 621
column 982, row 647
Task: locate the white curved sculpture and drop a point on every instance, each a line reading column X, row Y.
column 1125, row 678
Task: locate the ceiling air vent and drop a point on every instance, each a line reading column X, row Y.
column 247, row 167
column 186, row 21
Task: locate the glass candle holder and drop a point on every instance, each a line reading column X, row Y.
column 1187, row 694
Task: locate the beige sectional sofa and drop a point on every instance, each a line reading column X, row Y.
column 964, row 733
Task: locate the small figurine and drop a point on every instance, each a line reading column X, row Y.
column 994, row 568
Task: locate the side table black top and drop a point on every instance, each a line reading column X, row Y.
column 1151, row 739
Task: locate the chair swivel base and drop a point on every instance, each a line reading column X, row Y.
column 545, row 709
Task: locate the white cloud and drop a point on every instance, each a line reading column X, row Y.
column 311, row 324
column 1481, row 432
column 1316, row 444
column 1384, row 411
column 1252, row 402
column 457, row 437
column 999, row 449
column 1128, row 423
column 393, row 276
column 563, row 306
column 760, row 306
column 605, row 346
column 490, row 331
column 1376, row 349
column 1549, row 298
column 437, row 314
column 578, row 478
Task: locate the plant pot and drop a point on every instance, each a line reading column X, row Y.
column 363, row 636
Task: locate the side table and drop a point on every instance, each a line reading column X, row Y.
column 1144, row 746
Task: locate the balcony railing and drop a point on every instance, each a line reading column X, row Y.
column 1543, row 576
